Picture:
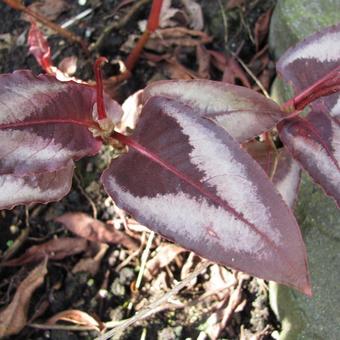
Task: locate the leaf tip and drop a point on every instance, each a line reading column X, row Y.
column 305, row 285
column 307, row 290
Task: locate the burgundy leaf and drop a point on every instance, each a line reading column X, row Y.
column 241, row 111
column 280, row 167
column 42, row 188
column 309, row 61
column 315, row 143
column 187, row 179
column 44, row 123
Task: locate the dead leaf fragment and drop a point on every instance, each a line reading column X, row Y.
column 91, row 264
column 77, row 317
column 55, row 249
column 95, row 230
column 262, row 28
column 170, row 16
column 166, row 252
column 203, row 61
column 220, row 280
column 14, row 317
column 231, row 69
column 195, row 13
column 51, row 9
column 68, row 65
column 176, row 36
column 132, row 108
column 172, row 69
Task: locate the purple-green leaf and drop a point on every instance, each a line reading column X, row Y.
column 242, row 112
column 187, row 179
column 315, row 143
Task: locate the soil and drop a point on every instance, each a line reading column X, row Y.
column 63, row 289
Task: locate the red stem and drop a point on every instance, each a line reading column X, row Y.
column 153, row 23
column 99, row 88
column 325, row 86
column 133, row 57
column 153, row 20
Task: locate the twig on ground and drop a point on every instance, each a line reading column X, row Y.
column 58, row 29
column 89, row 199
column 154, row 306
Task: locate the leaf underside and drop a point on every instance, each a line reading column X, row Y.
column 192, row 183
column 242, row 112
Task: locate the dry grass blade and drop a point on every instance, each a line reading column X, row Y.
column 14, row 317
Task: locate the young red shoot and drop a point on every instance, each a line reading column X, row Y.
column 153, row 22
column 99, row 87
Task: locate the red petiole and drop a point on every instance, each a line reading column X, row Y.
column 325, row 86
column 99, row 88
